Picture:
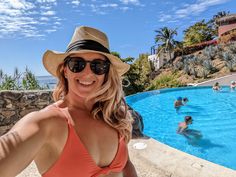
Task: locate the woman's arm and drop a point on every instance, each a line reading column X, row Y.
column 20, row 145
column 129, row 170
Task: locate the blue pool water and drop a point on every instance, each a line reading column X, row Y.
column 213, row 113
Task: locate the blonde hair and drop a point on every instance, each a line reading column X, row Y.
column 110, row 105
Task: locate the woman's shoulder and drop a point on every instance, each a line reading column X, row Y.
column 44, row 119
column 51, row 115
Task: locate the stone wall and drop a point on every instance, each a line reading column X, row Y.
column 15, row 104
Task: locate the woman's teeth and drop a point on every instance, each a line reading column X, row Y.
column 86, row 82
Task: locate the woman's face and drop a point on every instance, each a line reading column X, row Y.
column 84, row 82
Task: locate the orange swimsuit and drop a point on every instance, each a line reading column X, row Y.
column 75, row 161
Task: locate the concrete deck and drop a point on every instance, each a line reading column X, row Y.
column 160, row 160
column 225, row 80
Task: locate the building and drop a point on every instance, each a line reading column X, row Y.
column 158, row 60
column 226, row 24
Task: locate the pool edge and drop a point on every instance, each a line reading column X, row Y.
column 163, row 160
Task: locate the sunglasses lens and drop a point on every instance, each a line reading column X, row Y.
column 76, row 64
column 99, row 66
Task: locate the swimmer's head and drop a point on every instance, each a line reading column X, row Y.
column 188, row 119
column 179, row 98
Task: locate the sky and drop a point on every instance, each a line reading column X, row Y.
column 30, row 27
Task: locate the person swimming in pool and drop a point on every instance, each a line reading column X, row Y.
column 183, row 126
column 193, row 136
column 178, row 102
column 185, row 100
column 232, row 85
column 216, row 87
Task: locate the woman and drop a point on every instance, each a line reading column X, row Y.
column 86, row 131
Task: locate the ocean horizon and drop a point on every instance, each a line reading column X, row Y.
column 45, row 81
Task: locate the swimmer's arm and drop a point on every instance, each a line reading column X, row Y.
column 20, row 145
column 129, row 170
column 180, row 129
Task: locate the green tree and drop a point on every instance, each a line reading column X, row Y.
column 165, row 37
column 115, row 54
column 138, row 75
column 197, row 33
column 1, row 76
column 128, row 59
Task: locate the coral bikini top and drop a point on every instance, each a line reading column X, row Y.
column 75, row 161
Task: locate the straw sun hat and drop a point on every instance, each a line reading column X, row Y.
column 85, row 39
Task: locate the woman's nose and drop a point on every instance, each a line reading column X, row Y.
column 87, row 69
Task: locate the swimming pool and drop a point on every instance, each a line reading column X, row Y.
column 213, row 113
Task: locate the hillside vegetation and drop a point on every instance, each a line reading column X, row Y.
column 209, row 63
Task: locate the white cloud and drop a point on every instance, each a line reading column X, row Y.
column 21, row 18
column 44, row 19
column 57, row 23
column 75, row 2
column 49, row 13
column 46, row 7
column 163, row 17
column 109, row 5
column 17, row 4
column 14, row 7
column 18, row 25
column 124, row 8
column 198, row 7
column 46, row 1
column 96, row 9
column 50, row 30
column 134, row 2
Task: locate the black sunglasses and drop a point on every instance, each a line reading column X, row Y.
column 77, row 64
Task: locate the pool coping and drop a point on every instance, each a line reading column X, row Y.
column 159, row 159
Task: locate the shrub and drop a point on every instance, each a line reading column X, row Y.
column 8, row 83
column 29, row 81
column 203, row 72
column 209, row 52
column 165, row 81
column 18, row 82
column 207, row 64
